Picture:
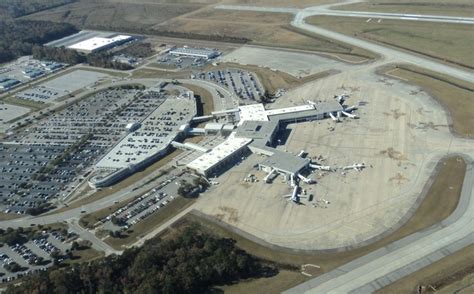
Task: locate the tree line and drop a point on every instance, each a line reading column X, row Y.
column 192, row 262
column 17, row 8
column 18, row 37
column 69, row 56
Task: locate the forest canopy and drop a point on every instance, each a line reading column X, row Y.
column 192, row 262
column 18, row 37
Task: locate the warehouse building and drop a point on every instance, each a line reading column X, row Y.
column 195, row 52
column 97, row 44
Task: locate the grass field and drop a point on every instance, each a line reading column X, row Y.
column 455, row 95
column 206, row 98
column 434, row 7
column 150, row 223
column 446, row 276
column 280, row 3
column 450, row 43
column 116, row 15
column 262, row 28
column 85, row 255
column 450, row 174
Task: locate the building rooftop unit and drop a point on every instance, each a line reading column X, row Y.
column 252, row 112
column 97, row 43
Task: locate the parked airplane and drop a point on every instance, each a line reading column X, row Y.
column 355, row 166
column 341, row 98
column 294, row 196
column 320, row 167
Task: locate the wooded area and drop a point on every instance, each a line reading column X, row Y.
column 17, row 8
column 191, row 262
column 18, row 37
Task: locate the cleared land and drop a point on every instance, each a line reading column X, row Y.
column 116, row 15
column 281, row 3
column 452, row 274
column 448, row 42
column 262, row 28
column 456, row 96
column 434, row 7
column 450, row 174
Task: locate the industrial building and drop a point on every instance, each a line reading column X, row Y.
column 7, row 84
column 195, row 52
column 97, row 44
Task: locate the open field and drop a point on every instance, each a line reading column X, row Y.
column 450, row 174
column 280, row 3
column 84, row 256
column 452, row 274
column 433, row 7
column 206, row 98
column 451, row 43
column 262, row 28
column 116, row 15
column 151, row 222
column 455, row 95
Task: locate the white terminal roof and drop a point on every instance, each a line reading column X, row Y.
column 252, row 112
column 222, row 151
column 289, row 109
column 98, row 42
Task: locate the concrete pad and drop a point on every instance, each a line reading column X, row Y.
column 390, row 138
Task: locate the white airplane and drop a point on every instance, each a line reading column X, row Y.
column 355, row 166
column 294, row 196
column 301, row 153
column 334, row 118
column 306, row 180
column 349, row 114
column 320, row 167
column 350, row 108
column 341, row 98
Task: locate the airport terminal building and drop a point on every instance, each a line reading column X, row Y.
column 256, row 131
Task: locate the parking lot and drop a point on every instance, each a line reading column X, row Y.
column 52, row 157
column 61, row 86
column 21, row 260
column 145, row 205
column 9, row 112
column 244, row 84
column 26, row 69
